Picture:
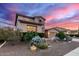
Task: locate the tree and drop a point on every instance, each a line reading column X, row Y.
column 61, row 35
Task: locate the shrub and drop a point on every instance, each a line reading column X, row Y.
column 77, row 35
column 61, row 35
column 39, row 42
column 9, row 34
column 43, row 46
column 41, row 34
column 71, row 35
column 27, row 37
column 36, row 40
column 15, row 35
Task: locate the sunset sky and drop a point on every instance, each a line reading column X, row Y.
column 56, row 14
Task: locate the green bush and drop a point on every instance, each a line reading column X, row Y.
column 9, row 34
column 39, row 42
column 43, row 46
column 71, row 35
column 27, row 36
column 77, row 35
column 61, row 35
column 41, row 34
column 36, row 40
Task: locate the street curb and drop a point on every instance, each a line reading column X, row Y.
column 2, row 44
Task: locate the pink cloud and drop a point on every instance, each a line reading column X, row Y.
column 61, row 13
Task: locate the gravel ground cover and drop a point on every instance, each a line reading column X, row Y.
column 21, row 49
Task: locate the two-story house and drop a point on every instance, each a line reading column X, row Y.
column 27, row 23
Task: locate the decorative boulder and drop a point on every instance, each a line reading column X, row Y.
column 33, row 48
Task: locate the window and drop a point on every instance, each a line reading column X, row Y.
column 40, row 20
column 31, row 28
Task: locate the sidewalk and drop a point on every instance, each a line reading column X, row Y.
column 74, row 52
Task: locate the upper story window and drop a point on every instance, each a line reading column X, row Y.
column 40, row 20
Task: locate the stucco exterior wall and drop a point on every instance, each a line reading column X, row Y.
column 23, row 27
column 40, row 29
column 38, row 22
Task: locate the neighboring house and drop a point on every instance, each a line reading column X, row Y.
column 72, row 32
column 26, row 23
column 53, row 31
column 49, row 33
column 60, row 29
